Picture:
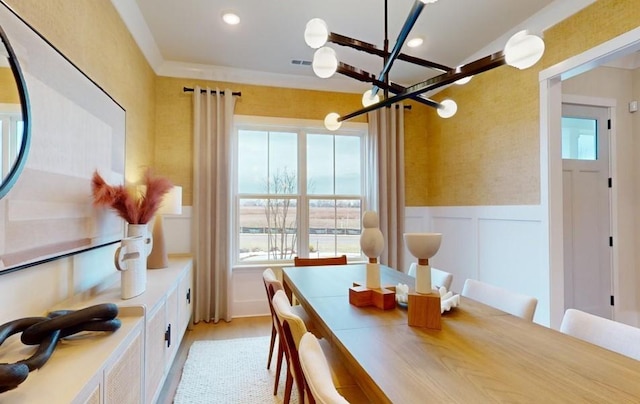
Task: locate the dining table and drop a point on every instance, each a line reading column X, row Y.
column 480, row 354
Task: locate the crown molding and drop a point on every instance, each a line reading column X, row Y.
column 544, row 19
column 133, row 19
column 245, row 76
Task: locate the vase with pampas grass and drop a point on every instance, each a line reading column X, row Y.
column 135, row 207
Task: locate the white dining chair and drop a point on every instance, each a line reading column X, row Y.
column 438, row 277
column 502, row 299
column 317, row 372
column 612, row 335
column 272, row 285
column 296, row 329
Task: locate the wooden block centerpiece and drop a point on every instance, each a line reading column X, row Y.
column 425, row 310
column 383, row 298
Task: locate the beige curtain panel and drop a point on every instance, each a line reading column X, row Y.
column 386, row 148
column 212, row 131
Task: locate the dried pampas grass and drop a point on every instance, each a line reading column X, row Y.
column 133, row 210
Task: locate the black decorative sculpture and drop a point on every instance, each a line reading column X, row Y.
column 46, row 332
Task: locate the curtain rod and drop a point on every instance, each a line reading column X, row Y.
column 190, row 90
column 239, row 94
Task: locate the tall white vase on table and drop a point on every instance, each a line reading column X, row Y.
column 372, row 244
column 130, row 260
column 423, row 246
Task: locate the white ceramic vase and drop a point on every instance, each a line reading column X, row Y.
column 131, row 262
column 141, row 230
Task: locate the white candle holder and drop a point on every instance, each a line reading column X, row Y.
column 424, row 307
column 372, row 244
column 423, row 246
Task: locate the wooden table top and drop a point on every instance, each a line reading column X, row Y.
column 480, row 355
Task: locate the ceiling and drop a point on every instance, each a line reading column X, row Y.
column 188, row 38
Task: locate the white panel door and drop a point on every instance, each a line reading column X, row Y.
column 587, row 252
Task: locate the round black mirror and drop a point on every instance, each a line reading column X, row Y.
column 14, row 117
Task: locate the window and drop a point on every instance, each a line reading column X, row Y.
column 299, row 190
column 11, row 132
column 579, row 138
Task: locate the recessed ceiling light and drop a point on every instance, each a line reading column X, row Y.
column 230, row 18
column 414, row 42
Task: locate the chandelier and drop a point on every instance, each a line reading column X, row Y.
column 522, row 50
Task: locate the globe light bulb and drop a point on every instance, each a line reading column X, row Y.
column 463, row 80
column 316, row 33
column 331, row 121
column 231, row 18
column 415, row 42
column 447, row 109
column 325, row 62
column 523, row 50
column 368, row 99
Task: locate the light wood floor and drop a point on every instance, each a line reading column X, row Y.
column 238, row 328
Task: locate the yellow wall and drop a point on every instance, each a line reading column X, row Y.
column 488, row 154
column 9, row 93
column 174, row 122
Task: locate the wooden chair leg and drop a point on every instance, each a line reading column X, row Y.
column 271, row 345
column 288, row 387
column 278, row 367
column 300, row 392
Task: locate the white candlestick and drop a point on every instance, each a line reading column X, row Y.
column 423, row 279
column 373, row 276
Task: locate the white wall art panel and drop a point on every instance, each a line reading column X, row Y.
column 76, row 128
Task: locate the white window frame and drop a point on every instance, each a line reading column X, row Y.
column 10, row 138
column 300, row 126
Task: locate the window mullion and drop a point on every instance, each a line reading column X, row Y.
column 268, row 200
column 303, row 199
column 335, row 200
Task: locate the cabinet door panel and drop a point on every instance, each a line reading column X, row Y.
column 172, row 322
column 94, row 397
column 123, row 379
column 155, row 357
column 185, row 300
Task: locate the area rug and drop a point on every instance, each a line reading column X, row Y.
column 230, row 371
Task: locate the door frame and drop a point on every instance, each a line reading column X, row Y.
column 551, row 162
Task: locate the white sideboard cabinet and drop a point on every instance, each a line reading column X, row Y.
column 166, row 323
column 127, row 366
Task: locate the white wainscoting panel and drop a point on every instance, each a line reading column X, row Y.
column 249, row 296
column 501, row 245
column 458, row 251
column 509, row 257
column 177, row 232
